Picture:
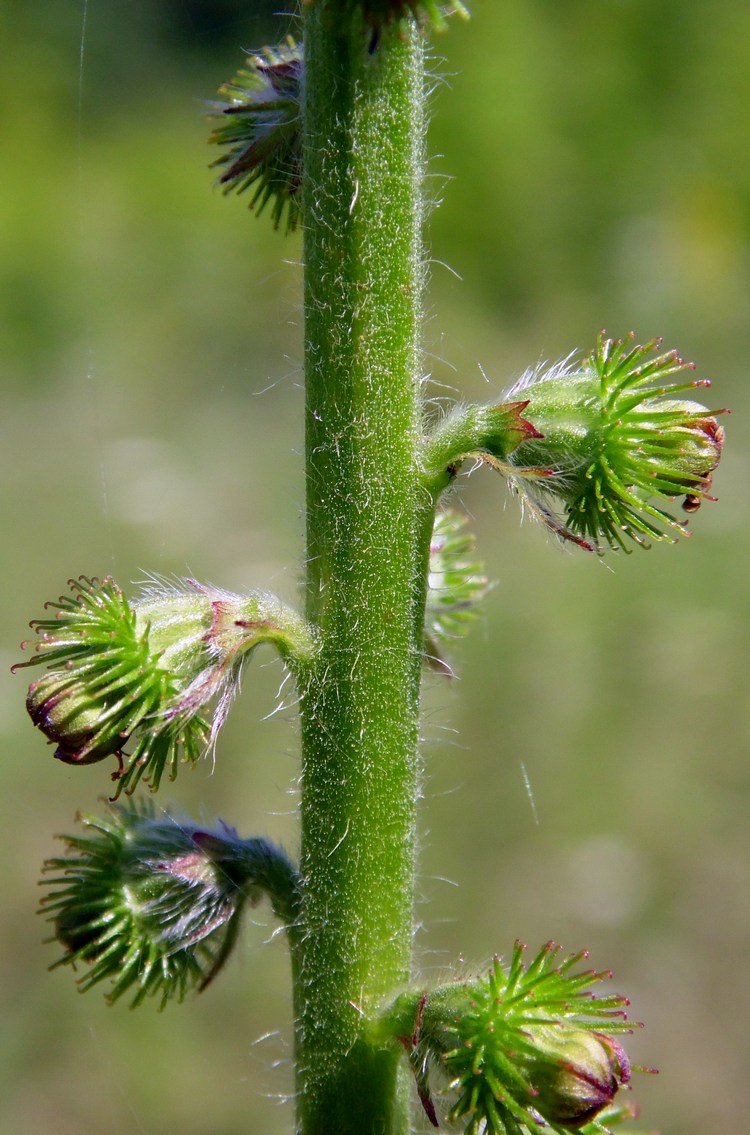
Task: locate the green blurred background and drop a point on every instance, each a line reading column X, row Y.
column 594, row 171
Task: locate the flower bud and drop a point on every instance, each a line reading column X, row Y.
column 152, row 903
column 138, row 903
column 574, row 1073
column 139, row 675
column 66, row 714
column 611, row 439
column 260, row 124
column 527, row 1047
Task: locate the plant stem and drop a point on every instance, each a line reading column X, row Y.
column 368, row 526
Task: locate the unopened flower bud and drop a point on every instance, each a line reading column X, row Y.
column 612, row 440
column 65, row 713
column 140, row 674
column 525, row 1048
column 574, row 1073
column 151, row 903
column 260, row 124
column 456, row 585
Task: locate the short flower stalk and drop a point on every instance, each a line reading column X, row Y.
column 329, row 137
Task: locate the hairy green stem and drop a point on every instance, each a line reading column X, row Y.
column 368, row 525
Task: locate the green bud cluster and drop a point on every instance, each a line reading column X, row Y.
column 140, row 674
column 525, row 1050
column 151, row 903
column 260, row 127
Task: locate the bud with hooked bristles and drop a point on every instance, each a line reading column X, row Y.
column 141, row 674
column 522, row 1050
column 151, row 903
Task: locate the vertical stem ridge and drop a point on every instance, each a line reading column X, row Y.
column 364, row 130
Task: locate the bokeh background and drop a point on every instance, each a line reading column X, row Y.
column 586, row 778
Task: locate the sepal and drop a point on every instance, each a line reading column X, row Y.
column 151, row 903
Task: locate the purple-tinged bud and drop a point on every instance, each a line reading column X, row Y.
column 103, row 683
column 141, row 674
column 151, row 903
column 524, row 1048
column 574, row 1073
column 66, row 714
column 260, row 124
